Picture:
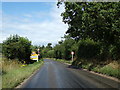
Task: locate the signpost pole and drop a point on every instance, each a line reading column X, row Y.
column 37, row 58
column 38, row 53
column 72, row 53
column 72, row 57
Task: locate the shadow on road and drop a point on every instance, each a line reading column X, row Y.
column 74, row 67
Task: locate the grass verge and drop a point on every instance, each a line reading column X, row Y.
column 14, row 73
column 110, row 69
column 62, row 60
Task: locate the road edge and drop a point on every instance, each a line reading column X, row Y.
column 25, row 80
column 100, row 74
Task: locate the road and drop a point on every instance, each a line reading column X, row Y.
column 54, row 74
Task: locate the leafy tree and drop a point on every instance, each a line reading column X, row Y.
column 45, row 50
column 58, row 51
column 0, row 47
column 98, row 21
column 63, row 48
column 68, row 43
column 50, row 53
column 42, row 47
column 88, row 49
column 17, row 47
column 49, row 46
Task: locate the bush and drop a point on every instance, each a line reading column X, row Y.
column 115, row 51
column 50, row 54
column 88, row 49
column 17, row 47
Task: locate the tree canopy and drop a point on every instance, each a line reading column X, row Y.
column 17, row 47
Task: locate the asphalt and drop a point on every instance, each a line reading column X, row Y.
column 54, row 74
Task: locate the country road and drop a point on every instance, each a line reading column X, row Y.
column 54, row 74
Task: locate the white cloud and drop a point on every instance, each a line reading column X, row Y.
column 39, row 32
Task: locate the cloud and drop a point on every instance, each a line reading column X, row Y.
column 31, row 25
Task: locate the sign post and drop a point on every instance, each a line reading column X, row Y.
column 72, row 53
column 38, row 51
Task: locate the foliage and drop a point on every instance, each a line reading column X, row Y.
column 99, row 22
column 63, row 50
column 50, row 53
column 17, row 47
column 93, row 32
column 88, row 49
column 47, row 51
column 13, row 73
column 0, row 47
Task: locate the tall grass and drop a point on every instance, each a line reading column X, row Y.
column 110, row 69
column 14, row 72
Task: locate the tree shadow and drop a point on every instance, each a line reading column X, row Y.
column 73, row 67
column 3, row 72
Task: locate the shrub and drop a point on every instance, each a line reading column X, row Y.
column 17, row 47
column 88, row 49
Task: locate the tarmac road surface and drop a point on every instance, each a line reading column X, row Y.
column 54, row 74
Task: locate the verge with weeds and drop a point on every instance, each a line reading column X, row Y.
column 111, row 69
column 14, row 72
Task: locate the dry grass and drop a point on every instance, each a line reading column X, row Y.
column 111, row 68
column 8, row 65
column 114, row 64
column 13, row 72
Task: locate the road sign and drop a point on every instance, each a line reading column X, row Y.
column 34, row 56
column 72, row 52
column 72, row 55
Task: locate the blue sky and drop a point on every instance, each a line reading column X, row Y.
column 40, row 22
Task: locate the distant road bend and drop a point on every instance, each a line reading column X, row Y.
column 54, row 74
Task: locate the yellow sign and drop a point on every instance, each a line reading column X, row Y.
column 34, row 56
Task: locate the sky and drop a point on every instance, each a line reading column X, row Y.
column 40, row 22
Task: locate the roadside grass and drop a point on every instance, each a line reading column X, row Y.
column 14, row 72
column 62, row 60
column 111, row 69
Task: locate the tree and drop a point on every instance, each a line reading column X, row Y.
column 88, row 49
column 50, row 54
column 58, row 51
column 98, row 21
column 63, row 48
column 0, row 47
column 49, row 45
column 47, row 51
column 17, row 47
